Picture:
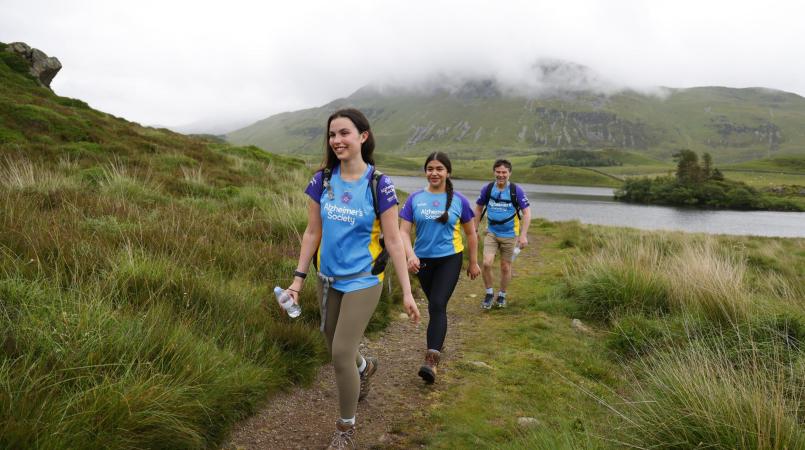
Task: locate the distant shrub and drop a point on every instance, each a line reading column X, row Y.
column 715, row 194
column 574, row 158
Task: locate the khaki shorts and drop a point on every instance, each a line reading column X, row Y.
column 493, row 243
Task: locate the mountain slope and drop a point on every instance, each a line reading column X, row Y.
column 484, row 117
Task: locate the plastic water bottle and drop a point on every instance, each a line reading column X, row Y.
column 286, row 301
column 515, row 252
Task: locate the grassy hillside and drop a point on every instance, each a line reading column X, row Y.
column 136, row 268
column 686, row 341
column 483, row 122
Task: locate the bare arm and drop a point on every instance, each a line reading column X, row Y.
column 310, row 242
column 396, row 249
column 410, row 256
column 477, row 219
column 522, row 240
column 473, row 270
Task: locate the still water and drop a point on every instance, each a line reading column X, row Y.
column 597, row 206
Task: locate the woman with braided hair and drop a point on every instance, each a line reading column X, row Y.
column 436, row 257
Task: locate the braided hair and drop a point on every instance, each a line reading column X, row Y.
column 442, row 158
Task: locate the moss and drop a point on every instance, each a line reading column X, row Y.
column 15, row 62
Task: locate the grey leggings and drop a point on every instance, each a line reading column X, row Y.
column 348, row 314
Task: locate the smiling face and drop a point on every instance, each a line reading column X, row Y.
column 345, row 140
column 437, row 175
column 502, row 174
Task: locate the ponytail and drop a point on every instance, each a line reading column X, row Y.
column 448, row 188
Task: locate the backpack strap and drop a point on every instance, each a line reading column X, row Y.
column 488, row 197
column 514, row 201
column 374, row 182
column 326, row 174
column 382, row 258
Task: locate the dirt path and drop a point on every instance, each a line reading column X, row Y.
column 304, row 418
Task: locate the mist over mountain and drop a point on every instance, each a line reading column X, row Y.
column 553, row 105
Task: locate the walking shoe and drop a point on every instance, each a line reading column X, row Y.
column 428, row 370
column 366, row 377
column 501, row 303
column 343, row 437
column 487, row 303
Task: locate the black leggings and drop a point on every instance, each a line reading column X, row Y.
column 438, row 278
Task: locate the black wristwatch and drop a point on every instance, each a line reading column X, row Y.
column 299, row 274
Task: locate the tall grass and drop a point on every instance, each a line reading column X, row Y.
column 710, row 330
column 659, row 275
column 705, row 280
column 135, row 302
column 705, row 395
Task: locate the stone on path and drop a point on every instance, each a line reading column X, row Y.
column 481, row 364
column 579, row 326
column 527, row 422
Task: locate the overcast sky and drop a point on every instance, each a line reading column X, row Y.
column 173, row 63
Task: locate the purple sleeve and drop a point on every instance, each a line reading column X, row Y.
column 522, row 199
column 386, row 194
column 315, row 187
column 466, row 210
column 482, row 198
column 407, row 211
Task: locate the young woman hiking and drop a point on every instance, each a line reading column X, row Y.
column 438, row 212
column 343, row 226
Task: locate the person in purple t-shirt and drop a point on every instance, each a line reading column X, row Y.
column 439, row 214
column 508, row 217
column 343, row 232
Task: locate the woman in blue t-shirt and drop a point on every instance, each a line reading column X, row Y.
column 346, row 223
column 438, row 212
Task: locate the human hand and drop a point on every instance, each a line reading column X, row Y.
column 522, row 241
column 410, row 308
column 293, row 290
column 473, row 270
column 413, row 264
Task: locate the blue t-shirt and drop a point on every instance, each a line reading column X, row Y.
column 501, row 208
column 435, row 239
column 350, row 232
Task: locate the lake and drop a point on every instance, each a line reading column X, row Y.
column 597, row 206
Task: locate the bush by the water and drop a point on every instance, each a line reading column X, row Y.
column 574, row 158
column 708, row 194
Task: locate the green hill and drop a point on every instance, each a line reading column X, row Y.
column 484, row 119
column 136, row 267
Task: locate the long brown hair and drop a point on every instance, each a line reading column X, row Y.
column 362, row 124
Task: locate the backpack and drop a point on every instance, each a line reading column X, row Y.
column 514, row 201
column 380, row 262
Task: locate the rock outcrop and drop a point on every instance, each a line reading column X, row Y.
column 43, row 67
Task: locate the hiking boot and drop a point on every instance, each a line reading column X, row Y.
column 343, row 437
column 487, row 303
column 501, row 303
column 428, row 370
column 366, row 377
